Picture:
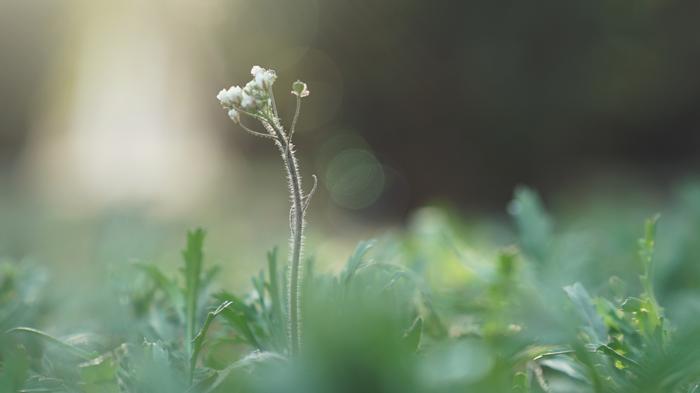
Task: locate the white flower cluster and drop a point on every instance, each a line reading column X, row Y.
column 254, row 98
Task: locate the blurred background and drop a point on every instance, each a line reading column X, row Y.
column 112, row 142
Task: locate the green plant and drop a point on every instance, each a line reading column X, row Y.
column 434, row 308
column 257, row 100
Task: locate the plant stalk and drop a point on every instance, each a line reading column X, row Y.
column 296, row 218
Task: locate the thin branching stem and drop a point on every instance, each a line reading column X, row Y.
column 256, row 133
column 257, row 100
column 295, row 118
column 286, row 148
column 307, row 198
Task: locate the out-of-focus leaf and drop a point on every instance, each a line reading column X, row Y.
column 167, row 285
column 594, row 325
column 240, row 316
column 248, row 363
column 453, row 362
column 155, row 370
column 651, row 314
column 355, row 262
column 75, row 351
column 521, row 383
column 192, row 255
column 564, row 365
column 534, row 225
column 15, row 369
column 99, row 375
column 199, row 338
column 276, row 307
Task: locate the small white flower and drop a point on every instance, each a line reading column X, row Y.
column 235, row 94
column 259, row 81
column 223, row 97
column 269, row 77
column 256, row 70
column 230, row 97
column 263, row 80
column 254, row 97
column 234, row 115
column 251, row 87
column 248, row 102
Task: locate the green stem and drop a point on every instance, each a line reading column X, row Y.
column 286, row 149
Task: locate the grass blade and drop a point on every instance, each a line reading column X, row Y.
column 82, row 354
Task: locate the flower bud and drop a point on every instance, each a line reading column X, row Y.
column 235, row 94
column 248, row 102
column 230, row 97
column 223, row 98
column 256, row 70
column 264, row 80
column 299, row 89
column 234, row 115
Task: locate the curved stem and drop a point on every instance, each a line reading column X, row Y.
column 253, row 132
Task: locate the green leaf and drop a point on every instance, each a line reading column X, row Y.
column 198, row 340
column 75, row 351
column 534, row 225
column 167, row 285
column 247, row 364
column 647, row 245
column 355, row 261
column 193, row 256
column 521, row 383
column 156, row 370
column 276, row 308
column 99, row 375
column 565, row 365
column 240, row 316
column 14, row 370
column 594, row 325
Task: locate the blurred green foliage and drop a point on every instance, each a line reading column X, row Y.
column 431, row 309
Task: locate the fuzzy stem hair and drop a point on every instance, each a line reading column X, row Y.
column 296, row 240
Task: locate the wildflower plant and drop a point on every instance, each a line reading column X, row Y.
column 388, row 322
column 256, row 100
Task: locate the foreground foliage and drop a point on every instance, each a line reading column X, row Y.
column 419, row 312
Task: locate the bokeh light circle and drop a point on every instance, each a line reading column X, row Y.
column 354, row 178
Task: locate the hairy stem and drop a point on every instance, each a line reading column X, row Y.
column 294, row 120
column 286, row 149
